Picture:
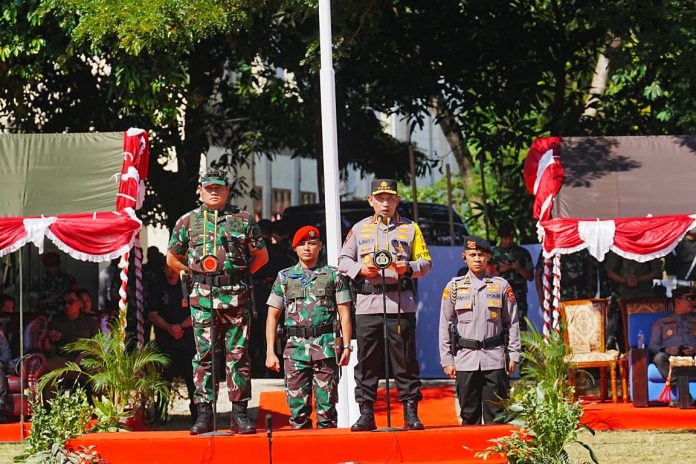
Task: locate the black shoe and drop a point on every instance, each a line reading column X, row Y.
column 239, row 419
column 366, row 421
column 411, row 420
column 204, row 421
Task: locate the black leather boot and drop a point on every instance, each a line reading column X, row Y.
column 204, row 421
column 366, row 421
column 240, row 420
column 411, row 420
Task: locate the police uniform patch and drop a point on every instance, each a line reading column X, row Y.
column 510, row 294
column 446, row 293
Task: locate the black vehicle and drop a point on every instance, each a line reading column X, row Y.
column 433, row 219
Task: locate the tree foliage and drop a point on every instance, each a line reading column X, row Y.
column 200, row 72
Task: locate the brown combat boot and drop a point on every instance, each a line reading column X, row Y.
column 366, row 421
column 204, row 421
column 240, row 420
column 411, row 420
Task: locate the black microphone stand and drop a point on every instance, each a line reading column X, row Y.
column 383, row 260
column 269, row 435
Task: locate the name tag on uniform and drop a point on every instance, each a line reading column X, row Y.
column 463, row 303
column 237, row 224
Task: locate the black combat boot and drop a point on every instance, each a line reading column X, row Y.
column 204, row 421
column 240, row 420
column 366, row 421
column 411, row 420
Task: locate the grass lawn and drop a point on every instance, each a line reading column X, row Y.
column 611, row 448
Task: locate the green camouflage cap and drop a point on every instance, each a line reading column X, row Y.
column 213, row 176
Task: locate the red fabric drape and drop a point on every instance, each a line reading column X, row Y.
column 136, row 155
column 543, row 174
column 640, row 239
column 12, row 234
column 85, row 236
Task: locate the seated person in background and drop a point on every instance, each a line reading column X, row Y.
column 86, row 299
column 7, row 367
column 7, row 307
column 7, row 304
column 675, row 335
column 66, row 328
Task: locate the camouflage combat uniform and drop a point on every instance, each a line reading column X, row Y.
column 574, row 275
column 310, row 298
column 517, row 282
column 238, row 237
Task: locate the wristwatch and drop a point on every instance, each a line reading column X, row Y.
column 348, row 347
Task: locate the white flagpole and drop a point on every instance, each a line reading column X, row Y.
column 329, row 138
column 346, row 408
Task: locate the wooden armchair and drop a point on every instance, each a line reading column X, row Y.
column 584, row 323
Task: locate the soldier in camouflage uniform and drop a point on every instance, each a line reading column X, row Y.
column 231, row 249
column 578, row 276
column 316, row 300
column 514, row 264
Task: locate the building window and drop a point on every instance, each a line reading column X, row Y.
column 280, row 201
column 307, row 198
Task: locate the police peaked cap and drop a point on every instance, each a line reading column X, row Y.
column 305, row 233
column 383, row 186
column 213, row 176
column 473, row 242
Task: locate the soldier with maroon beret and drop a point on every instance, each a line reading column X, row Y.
column 316, row 300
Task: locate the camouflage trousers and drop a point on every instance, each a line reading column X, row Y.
column 303, row 377
column 232, row 332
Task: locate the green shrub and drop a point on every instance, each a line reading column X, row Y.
column 64, row 417
column 542, row 405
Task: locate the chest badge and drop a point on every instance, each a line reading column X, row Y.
column 209, row 263
column 670, row 332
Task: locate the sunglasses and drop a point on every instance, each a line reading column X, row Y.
column 68, row 302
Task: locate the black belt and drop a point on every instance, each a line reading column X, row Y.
column 368, row 288
column 216, row 280
column 471, row 344
column 307, row 332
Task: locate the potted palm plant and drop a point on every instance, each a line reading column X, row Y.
column 123, row 379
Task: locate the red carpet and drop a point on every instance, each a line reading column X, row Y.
column 13, row 432
column 443, row 441
column 437, row 408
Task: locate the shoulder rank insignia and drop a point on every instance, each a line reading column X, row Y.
column 446, row 293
